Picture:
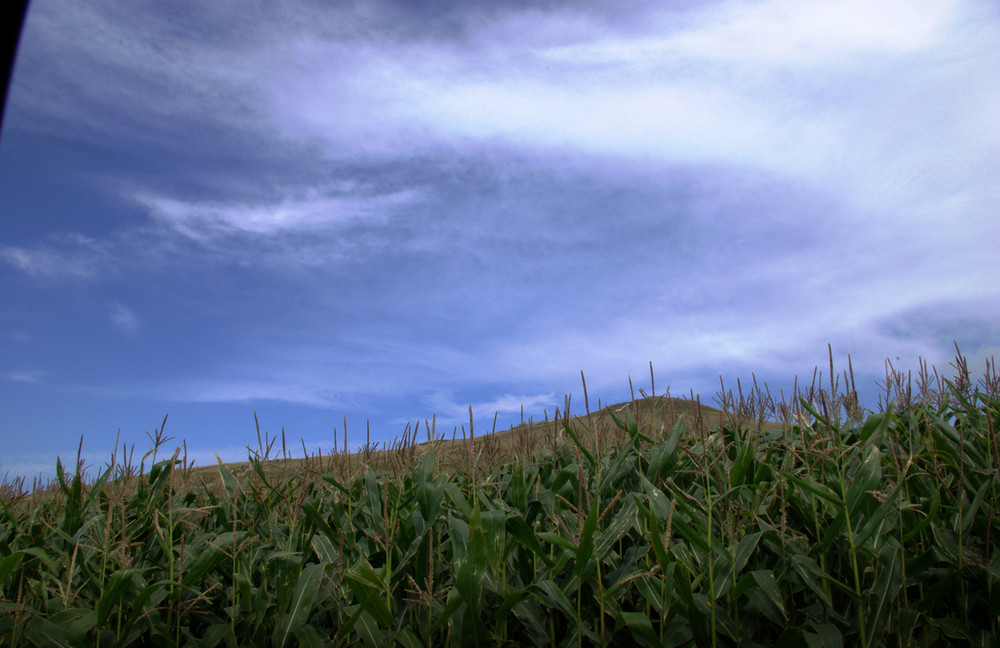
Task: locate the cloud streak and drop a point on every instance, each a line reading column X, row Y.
column 69, row 256
column 31, row 376
column 312, row 212
column 124, row 318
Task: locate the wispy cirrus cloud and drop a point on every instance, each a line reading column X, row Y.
column 790, row 34
column 313, row 212
column 68, row 256
column 30, row 376
column 124, row 318
column 451, row 412
column 774, row 86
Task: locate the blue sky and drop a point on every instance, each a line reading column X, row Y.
column 387, row 210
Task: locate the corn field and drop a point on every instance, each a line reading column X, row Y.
column 810, row 523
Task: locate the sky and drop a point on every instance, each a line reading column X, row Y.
column 380, row 211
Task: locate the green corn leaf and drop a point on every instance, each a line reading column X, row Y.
column 928, row 518
column 302, row 603
column 76, row 622
column 258, row 468
column 43, row 633
column 373, row 494
column 807, row 406
column 623, row 521
column 470, row 579
column 745, row 549
column 769, row 588
column 753, row 597
column 658, row 592
column 215, row 635
column 693, row 532
column 457, row 499
column 472, row 567
column 882, row 596
column 741, row 466
column 677, row 633
column 229, row 481
column 558, row 540
column 619, row 423
column 811, row 575
column 314, row 516
column 430, row 493
column 658, row 502
column 908, row 620
column 825, row 635
column 591, row 461
column 563, row 484
column 114, row 589
column 954, row 440
column 867, row 478
column 324, row 548
column 370, row 631
column 73, row 507
column 458, row 530
column 723, row 577
column 61, row 476
column 469, row 582
column 404, row 636
column 661, row 458
column 210, row 553
column 694, row 610
column 520, row 531
column 494, row 531
column 243, row 584
column 623, row 463
column 874, row 426
column 971, row 512
column 793, row 637
column 550, row 595
column 834, row 533
column 149, row 597
column 512, row 600
column 882, row 520
column 331, row 479
column 8, row 564
column 585, row 550
column 641, row 629
column 369, row 589
column 810, row 485
column 529, row 613
column 452, row 606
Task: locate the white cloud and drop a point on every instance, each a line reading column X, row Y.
column 31, row 376
column 198, row 219
column 451, row 412
column 67, row 256
column 897, row 120
column 900, row 110
column 124, row 318
column 294, row 389
column 795, row 34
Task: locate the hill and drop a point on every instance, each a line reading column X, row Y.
column 467, row 448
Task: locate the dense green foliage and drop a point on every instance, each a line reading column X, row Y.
column 881, row 531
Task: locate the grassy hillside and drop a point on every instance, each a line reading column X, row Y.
column 470, row 445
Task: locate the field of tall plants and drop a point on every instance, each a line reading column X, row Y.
column 656, row 522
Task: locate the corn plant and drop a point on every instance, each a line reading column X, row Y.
column 654, row 523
